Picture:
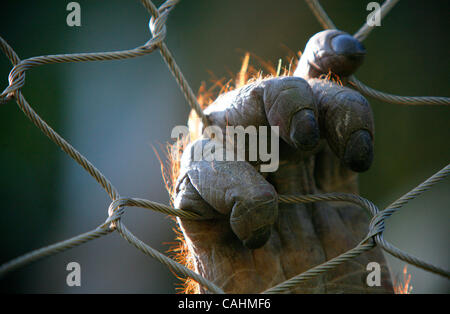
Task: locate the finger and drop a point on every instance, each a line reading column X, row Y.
column 286, row 102
column 289, row 104
column 358, row 153
column 188, row 198
column 210, row 240
column 304, row 130
column 236, row 189
column 330, row 51
column 346, row 121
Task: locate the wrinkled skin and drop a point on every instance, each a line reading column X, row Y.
column 247, row 242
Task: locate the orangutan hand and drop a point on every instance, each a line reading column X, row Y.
column 341, row 115
column 246, row 242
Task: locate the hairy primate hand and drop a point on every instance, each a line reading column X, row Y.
column 246, row 241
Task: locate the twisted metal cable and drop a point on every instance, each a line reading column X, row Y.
column 394, row 207
column 320, row 14
column 376, row 228
column 142, row 203
column 340, row 197
column 292, row 283
column 14, row 58
column 170, row 60
column 178, row 268
column 9, row 52
column 16, row 82
column 45, row 128
column 363, row 246
column 17, row 78
column 65, row 146
column 395, row 99
column 362, row 34
column 421, row 188
column 46, row 251
column 61, row 246
column 116, row 210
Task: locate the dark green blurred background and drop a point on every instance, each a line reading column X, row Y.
column 113, row 112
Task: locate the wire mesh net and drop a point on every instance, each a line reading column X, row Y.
column 119, row 203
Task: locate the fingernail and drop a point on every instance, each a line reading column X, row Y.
column 304, row 130
column 358, row 154
column 347, row 45
column 258, row 238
